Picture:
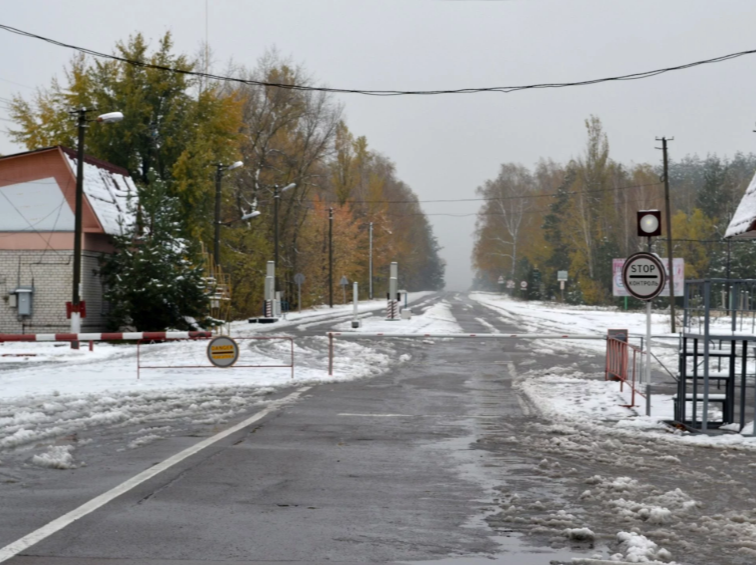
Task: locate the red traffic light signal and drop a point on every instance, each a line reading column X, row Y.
column 649, row 223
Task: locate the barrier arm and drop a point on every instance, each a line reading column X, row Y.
column 332, row 335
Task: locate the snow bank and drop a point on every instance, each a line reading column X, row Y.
column 61, row 391
column 639, row 549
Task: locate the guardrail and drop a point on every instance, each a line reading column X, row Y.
column 195, row 365
column 622, row 365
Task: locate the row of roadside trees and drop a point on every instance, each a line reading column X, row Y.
column 578, row 216
column 177, row 129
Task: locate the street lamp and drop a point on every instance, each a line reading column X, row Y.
column 77, row 306
column 219, row 168
column 276, row 199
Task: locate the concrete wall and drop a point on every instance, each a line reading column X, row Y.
column 51, row 274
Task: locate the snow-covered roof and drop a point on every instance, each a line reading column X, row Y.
column 108, row 191
column 743, row 223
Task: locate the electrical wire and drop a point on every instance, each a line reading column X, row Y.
column 301, row 87
column 645, row 201
column 495, row 198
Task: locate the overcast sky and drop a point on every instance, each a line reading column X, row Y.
column 446, row 146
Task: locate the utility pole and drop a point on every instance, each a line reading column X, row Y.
column 81, row 119
column 668, row 220
column 216, row 242
column 330, row 257
column 77, row 306
column 276, row 198
column 370, row 262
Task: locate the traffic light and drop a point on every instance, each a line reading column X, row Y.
column 649, row 223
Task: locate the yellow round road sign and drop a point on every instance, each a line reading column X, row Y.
column 223, row 351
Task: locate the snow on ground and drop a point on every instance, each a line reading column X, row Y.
column 551, row 317
column 317, row 315
column 436, row 319
column 567, row 395
column 54, row 391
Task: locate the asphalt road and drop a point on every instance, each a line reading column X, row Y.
column 421, row 464
column 374, row 470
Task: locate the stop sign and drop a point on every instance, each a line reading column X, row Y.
column 643, row 276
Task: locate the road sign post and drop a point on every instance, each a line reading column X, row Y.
column 344, row 282
column 562, row 278
column 644, row 277
column 222, row 351
column 299, row 279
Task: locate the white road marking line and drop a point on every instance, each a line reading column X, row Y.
column 391, row 415
column 58, row 524
column 462, row 417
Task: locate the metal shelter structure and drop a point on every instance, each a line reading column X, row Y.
column 718, row 348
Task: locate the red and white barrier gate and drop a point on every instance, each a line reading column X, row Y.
column 332, row 335
column 113, row 336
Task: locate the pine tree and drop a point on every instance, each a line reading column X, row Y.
column 155, row 279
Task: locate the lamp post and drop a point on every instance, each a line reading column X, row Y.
column 330, row 257
column 370, row 262
column 81, row 122
column 276, row 199
column 219, row 169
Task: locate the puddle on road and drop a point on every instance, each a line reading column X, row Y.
column 513, row 552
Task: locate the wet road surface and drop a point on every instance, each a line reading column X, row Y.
column 439, row 460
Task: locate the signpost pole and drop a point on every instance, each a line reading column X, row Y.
column 643, row 275
column 299, row 278
column 648, row 358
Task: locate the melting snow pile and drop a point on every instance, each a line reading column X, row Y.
column 37, row 419
column 56, row 457
column 639, row 549
column 567, row 392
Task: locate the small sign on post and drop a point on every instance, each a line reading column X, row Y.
column 344, row 282
column 562, row 278
column 223, row 351
column 643, row 276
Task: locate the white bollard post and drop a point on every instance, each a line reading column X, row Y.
column 355, row 299
column 270, row 284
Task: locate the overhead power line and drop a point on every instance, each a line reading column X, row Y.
column 495, row 198
column 645, row 201
column 301, row 87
